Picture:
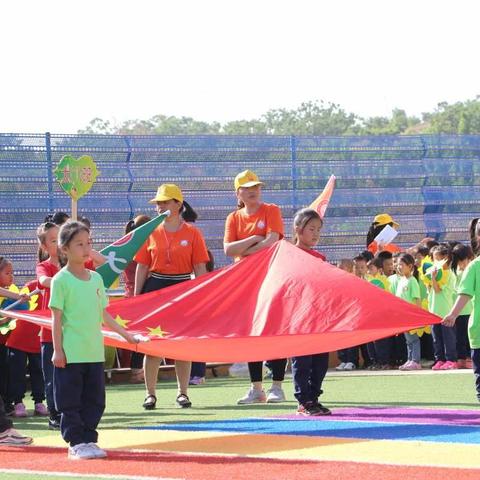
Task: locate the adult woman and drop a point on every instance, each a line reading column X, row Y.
column 253, row 226
column 174, row 251
column 379, row 223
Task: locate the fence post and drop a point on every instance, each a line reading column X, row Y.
column 48, row 147
column 293, row 156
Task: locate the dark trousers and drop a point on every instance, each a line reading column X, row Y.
column 5, row 422
column 461, row 331
column 476, row 369
column 383, row 350
column 444, row 343
column 47, row 369
column 308, row 374
column 136, row 360
column 199, row 369
column 399, row 349
column 348, row 355
column 277, row 366
column 4, row 373
column 79, row 392
column 17, row 371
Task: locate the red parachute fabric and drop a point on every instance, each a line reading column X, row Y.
column 280, row 302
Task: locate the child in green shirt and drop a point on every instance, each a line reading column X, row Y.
column 78, row 303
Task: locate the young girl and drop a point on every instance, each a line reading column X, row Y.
column 462, row 255
column 78, row 303
column 440, row 301
column 47, row 234
column 407, row 288
column 309, row 370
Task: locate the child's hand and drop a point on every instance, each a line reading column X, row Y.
column 25, row 298
column 449, row 320
column 4, row 320
column 59, row 359
column 130, row 338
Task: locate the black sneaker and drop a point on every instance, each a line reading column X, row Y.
column 54, row 423
column 309, row 409
column 323, row 410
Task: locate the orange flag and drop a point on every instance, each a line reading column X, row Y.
column 322, row 201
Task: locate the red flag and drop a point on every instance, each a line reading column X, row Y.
column 277, row 303
column 320, row 204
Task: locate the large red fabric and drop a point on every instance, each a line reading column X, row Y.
column 278, row 303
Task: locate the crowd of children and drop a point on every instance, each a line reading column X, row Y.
column 66, row 364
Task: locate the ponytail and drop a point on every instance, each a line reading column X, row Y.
column 474, row 230
column 374, row 230
column 188, row 213
column 240, row 205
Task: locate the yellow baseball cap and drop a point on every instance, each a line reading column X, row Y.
column 246, row 179
column 384, row 219
column 167, row 191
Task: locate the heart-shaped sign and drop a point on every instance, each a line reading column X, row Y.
column 76, row 175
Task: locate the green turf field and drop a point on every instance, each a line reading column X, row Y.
column 216, row 399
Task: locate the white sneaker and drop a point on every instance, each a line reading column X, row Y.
column 252, row 396
column 340, row 367
column 97, row 451
column 82, row 451
column 349, row 366
column 275, row 395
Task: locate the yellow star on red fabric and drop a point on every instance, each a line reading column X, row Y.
column 156, row 332
column 121, row 321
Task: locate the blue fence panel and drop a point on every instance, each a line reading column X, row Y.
column 430, row 184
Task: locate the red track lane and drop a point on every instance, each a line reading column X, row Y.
column 215, row 467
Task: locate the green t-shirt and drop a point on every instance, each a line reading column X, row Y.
column 470, row 285
column 442, row 302
column 407, row 288
column 467, row 309
column 393, row 280
column 82, row 303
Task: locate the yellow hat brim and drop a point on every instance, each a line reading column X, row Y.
column 161, row 199
column 250, row 184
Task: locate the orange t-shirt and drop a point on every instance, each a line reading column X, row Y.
column 173, row 253
column 267, row 219
column 389, row 247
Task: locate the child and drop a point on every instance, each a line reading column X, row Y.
column 24, row 347
column 469, row 290
column 47, row 234
column 6, row 297
column 78, row 303
column 309, row 370
column 440, row 302
column 462, row 255
column 407, row 288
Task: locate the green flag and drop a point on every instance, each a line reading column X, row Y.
column 121, row 252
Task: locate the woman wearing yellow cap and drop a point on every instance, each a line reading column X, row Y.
column 379, row 223
column 174, row 251
column 253, row 226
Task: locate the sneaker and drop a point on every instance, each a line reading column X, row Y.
column 413, row 366
column 20, row 410
column 183, row 401
column 12, row 437
column 252, row 396
column 323, row 410
column 196, row 381
column 438, row 365
column 349, row 366
column 405, row 365
column 40, row 410
column 313, row 409
column 340, row 367
column 97, row 451
column 54, row 423
column 461, row 363
column 82, row 451
column 275, row 395
column 448, row 365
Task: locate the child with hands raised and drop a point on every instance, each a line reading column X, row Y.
column 78, row 304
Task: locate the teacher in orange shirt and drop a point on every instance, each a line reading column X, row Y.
column 253, row 226
column 174, row 251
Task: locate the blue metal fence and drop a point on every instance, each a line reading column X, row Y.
column 428, row 183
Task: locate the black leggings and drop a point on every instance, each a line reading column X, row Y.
column 278, row 370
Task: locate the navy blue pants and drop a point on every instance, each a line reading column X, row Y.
column 308, row 374
column 79, row 392
column 199, row 369
column 444, row 343
column 47, row 369
column 349, row 355
column 17, row 371
column 476, row 369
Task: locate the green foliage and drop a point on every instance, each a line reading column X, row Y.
column 310, row 118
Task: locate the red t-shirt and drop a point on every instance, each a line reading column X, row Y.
column 25, row 336
column 316, row 254
column 46, row 269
